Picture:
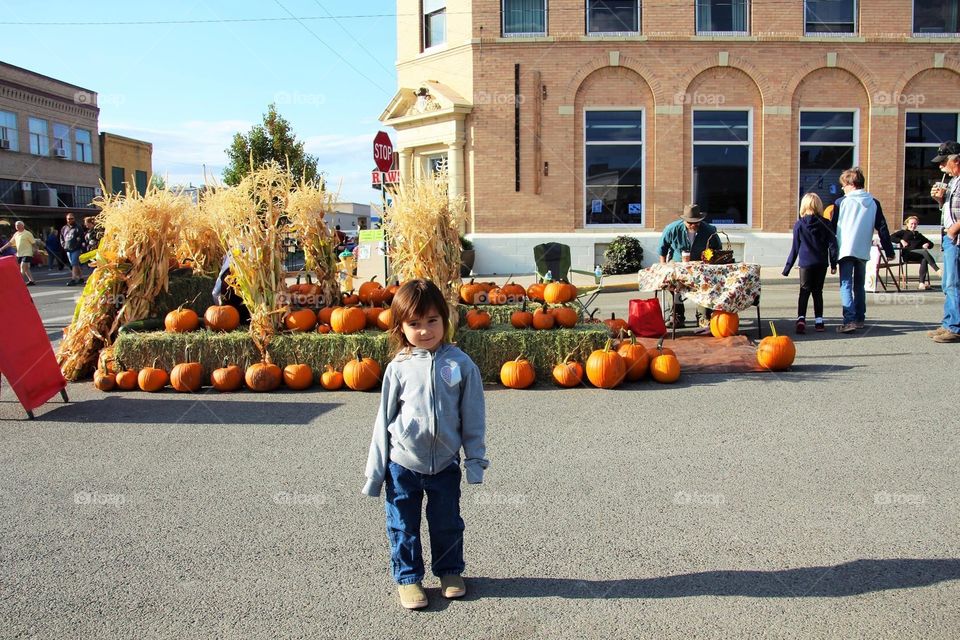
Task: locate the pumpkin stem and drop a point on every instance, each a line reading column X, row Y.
column 773, row 329
column 568, row 356
column 609, row 344
column 660, row 343
column 633, row 338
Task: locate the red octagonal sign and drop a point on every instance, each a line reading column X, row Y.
column 383, row 151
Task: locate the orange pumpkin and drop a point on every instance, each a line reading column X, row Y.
column 349, row 298
column 521, row 319
column 181, row 320
column 127, row 379
column 724, row 324
column 659, row 350
column 370, row 292
column 331, row 379
column 776, row 352
column 617, row 326
column 477, row 319
column 187, row 376
column 565, row 316
column 385, row 320
column 665, row 368
column 496, row 296
column 263, row 376
column 227, row 377
column 472, row 293
column 361, row 374
column 636, row 358
column 300, row 320
column 323, row 316
column 517, row 374
column 323, row 328
column 605, row 367
column 104, row 380
column 389, row 292
column 221, row 318
column 152, row 379
column 559, row 292
column 543, row 319
column 515, row 293
column 372, row 314
column 298, row 376
column 348, row 320
column 535, row 291
column 568, row 373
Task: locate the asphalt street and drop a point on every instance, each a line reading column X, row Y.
column 817, row 503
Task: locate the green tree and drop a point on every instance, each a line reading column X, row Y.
column 272, row 140
column 156, row 180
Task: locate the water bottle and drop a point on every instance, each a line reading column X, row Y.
column 548, row 277
column 598, row 273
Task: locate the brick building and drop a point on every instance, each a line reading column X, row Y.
column 125, row 161
column 581, row 120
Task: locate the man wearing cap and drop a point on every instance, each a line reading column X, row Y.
column 948, row 158
column 690, row 234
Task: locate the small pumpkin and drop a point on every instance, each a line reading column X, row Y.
column 658, row 350
column 323, row 316
column 565, row 316
column 496, row 296
column 361, row 374
column 521, row 319
column 104, row 380
column 617, row 326
column 389, row 292
column 152, row 378
column 568, row 373
column 298, row 376
column 635, row 356
column 478, row 319
column 349, row 298
column 517, row 374
column 665, row 368
column 300, row 320
column 229, row 377
column 348, row 320
column 187, row 377
column 535, row 291
column 776, row 352
column 543, row 319
column 181, row 320
column 221, row 318
column 605, row 367
column 515, row 293
column 385, row 319
column 724, row 324
column 263, row 376
column 331, row 379
column 372, row 314
column 559, row 292
column 472, row 293
column 370, row 292
column 127, row 379
column 323, row 328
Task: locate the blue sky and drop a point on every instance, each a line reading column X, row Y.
column 187, row 88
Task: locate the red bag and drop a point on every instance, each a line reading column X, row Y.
column 646, row 318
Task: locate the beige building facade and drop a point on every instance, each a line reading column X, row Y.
column 579, row 121
column 125, row 161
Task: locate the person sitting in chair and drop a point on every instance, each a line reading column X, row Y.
column 914, row 249
column 689, row 235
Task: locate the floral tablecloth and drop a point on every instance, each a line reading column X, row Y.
column 730, row 287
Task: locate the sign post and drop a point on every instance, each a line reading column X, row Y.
column 383, row 158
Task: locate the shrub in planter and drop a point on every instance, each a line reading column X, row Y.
column 623, row 255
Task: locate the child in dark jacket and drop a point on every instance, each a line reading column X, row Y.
column 815, row 244
column 431, row 408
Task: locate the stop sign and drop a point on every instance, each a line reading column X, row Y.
column 383, row 151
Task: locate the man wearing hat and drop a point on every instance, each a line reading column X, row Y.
column 690, row 234
column 948, row 158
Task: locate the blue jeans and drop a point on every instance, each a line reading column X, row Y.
column 951, row 286
column 405, row 491
column 853, row 296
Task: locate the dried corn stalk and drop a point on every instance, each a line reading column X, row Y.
column 92, row 324
column 308, row 205
column 198, row 242
column 423, row 231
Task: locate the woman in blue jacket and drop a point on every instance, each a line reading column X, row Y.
column 815, row 244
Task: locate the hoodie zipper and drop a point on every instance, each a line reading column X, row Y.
column 433, row 416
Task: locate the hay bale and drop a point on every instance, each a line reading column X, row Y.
column 192, row 291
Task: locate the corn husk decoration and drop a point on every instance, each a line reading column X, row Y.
column 308, row 205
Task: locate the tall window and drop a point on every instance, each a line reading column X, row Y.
column 613, row 167
column 721, row 165
column 61, row 140
column 434, row 23
column 8, row 130
column 830, row 16
column 936, row 17
column 117, row 178
column 84, row 150
column 39, row 140
column 613, row 16
column 827, row 148
column 524, row 17
column 722, row 16
column 924, row 133
column 140, row 177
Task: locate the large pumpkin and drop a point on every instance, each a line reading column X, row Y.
column 517, row 374
column 221, row 318
column 477, row 319
column 298, row 376
column 724, row 324
column 559, row 292
column 152, row 379
column 300, row 320
column 776, row 352
column 227, row 378
column 348, row 320
column 263, row 376
column 361, row 374
column 568, row 373
column 181, row 320
column 187, row 376
column 636, row 358
column 331, row 379
column 665, row 368
column 605, row 367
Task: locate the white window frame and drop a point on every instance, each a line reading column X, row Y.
column 921, row 34
column 423, row 25
column 64, row 142
column 800, row 145
column 428, row 157
column 43, row 140
column 84, row 151
column 956, row 112
column 833, row 34
column 749, row 143
column 696, row 23
column 5, row 132
column 643, row 166
column 525, row 34
column 613, row 33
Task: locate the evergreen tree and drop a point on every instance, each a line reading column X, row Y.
column 272, row 140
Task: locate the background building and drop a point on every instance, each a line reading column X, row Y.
column 582, row 120
column 125, row 160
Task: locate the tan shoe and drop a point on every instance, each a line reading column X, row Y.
column 947, row 336
column 452, row 586
column 412, row 596
column 936, row 332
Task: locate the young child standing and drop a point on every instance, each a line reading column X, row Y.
column 431, row 407
column 815, row 244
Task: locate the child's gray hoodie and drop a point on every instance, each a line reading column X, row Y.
column 430, row 407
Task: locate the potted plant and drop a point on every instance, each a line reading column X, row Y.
column 467, row 256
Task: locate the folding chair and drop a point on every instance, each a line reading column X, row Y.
column 884, row 264
column 554, row 258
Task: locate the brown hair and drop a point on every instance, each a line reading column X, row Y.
column 852, row 176
column 415, row 299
